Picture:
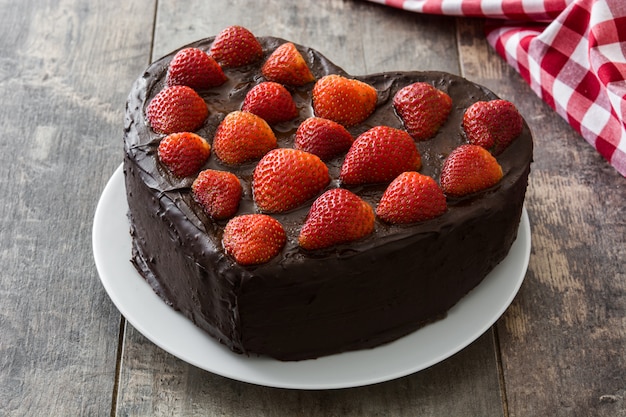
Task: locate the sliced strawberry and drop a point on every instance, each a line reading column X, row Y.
column 468, row 169
column 492, row 124
column 236, row 46
column 218, row 192
column 184, row 153
column 242, row 137
column 422, row 108
column 343, row 100
column 322, row 137
column 253, row 239
column 194, row 68
column 379, row 155
column 286, row 178
column 337, row 216
column 270, row 101
column 411, row 197
column 287, row 66
column 176, row 109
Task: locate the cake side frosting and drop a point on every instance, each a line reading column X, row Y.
column 305, row 304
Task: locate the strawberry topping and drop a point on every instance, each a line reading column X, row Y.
column 184, row 153
column 242, row 137
column 411, row 197
column 422, row 108
column 218, row 192
column 287, row 66
column 337, row 216
column 176, row 109
column 379, row 155
column 236, row 46
column 195, row 68
column 270, row 101
column 253, row 239
column 322, row 137
column 286, row 178
column 279, row 180
column 469, row 169
column 492, row 124
column 343, row 100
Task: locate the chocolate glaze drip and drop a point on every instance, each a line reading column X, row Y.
column 301, row 304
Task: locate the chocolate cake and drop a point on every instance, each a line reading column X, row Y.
column 302, row 304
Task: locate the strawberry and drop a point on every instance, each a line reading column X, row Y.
column 379, row 155
column 286, row 178
column 492, row 124
column 468, row 169
column 218, row 192
column 411, row 197
column 343, row 100
column 253, row 238
column 242, row 137
column 270, row 101
column 176, row 109
column 236, row 46
column 337, row 216
column 194, row 68
column 322, row 137
column 422, row 108
column 287, row 66
column 184, row 153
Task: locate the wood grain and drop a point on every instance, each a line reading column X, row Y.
column 61, row 121
column 65, row 69
column 155, row 383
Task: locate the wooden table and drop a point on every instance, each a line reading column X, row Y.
column 65, row 70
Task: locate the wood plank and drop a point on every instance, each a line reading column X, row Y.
column 564, row 337
column 361, row 37
column 61, row 112
column 155, row 383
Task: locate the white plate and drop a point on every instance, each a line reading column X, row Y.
column 170, row 330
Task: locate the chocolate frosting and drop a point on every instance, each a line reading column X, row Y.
column 303, row 304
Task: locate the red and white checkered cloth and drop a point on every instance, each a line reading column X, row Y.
column 572, row 53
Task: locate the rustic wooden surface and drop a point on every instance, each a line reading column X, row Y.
column 65, row 69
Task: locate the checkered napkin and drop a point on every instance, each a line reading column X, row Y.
column 572, row 53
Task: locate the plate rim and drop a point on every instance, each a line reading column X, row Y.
column 267, row 371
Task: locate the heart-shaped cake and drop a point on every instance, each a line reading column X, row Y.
column 292, row 210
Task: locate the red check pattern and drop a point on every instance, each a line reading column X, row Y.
column 572, row 53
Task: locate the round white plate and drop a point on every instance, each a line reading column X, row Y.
column 170, row 330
